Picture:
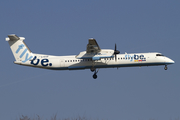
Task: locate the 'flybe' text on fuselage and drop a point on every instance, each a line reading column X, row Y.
column 44, row 62
column 135, row 58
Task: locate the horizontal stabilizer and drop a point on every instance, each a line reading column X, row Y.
column 12, row 37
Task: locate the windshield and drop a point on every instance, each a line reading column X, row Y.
column 159, row 55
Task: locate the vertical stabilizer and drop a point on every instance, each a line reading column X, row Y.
column 19, row 49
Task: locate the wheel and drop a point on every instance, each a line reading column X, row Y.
column 94, row 76
column 165, row 68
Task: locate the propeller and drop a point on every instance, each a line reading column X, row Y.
column 116, row 52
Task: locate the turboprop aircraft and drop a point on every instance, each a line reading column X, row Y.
column 93, row 58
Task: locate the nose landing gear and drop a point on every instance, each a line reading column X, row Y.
column 165, row 68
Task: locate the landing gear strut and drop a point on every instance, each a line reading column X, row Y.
column 165, row 68
column 95, row 73
column 93, row 69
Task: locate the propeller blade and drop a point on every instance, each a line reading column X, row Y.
column 116, row 52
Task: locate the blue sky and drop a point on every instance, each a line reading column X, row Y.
column 62, row 27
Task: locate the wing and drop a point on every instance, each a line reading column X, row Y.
column 92, row 46
column 94, row 52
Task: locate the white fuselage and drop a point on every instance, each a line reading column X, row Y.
column 72, row 63
column 94, row 57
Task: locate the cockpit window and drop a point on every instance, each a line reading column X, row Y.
column 159, row 55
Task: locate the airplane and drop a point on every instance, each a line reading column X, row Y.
column 93, row 58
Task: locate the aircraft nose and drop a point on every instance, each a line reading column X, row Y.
column 171, row 61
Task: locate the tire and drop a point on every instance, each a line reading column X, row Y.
column 94, row 76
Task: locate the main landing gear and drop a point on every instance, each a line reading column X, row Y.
column 165, row 68
column 95, row 72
